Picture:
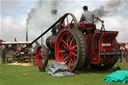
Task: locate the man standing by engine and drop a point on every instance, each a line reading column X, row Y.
column 88, row 16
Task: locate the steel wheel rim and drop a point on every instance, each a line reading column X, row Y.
column 66, row 50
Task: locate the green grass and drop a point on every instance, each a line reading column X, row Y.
column 30, row 75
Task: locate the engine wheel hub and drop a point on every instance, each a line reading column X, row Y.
column 67, row 50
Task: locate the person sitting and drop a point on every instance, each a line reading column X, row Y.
column 88, row 16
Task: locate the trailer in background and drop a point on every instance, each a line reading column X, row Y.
column 12, row 52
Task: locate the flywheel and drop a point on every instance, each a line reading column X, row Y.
column 68, row 21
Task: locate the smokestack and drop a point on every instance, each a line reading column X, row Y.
column 54, row 12
column 27, row 30
column 15, row 40
column 28, row 20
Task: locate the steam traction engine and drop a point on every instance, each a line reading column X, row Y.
column 79, row 44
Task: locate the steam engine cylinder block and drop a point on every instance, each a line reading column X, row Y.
column 50, row 41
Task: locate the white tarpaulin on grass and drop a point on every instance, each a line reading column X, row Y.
column 59, row 69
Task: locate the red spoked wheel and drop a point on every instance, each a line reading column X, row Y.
column 71, row 49
column 42, row 56
column 68, row 21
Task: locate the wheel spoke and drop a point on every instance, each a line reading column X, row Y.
column 67, row 42
column 71, row 42
column 63, row 42
column 61, row 51
column 64, row 46
column 72, row 61
column 65, row 58
column 69, row 63
column 73, row 47
column 68, row 25
column 71, row 21
column 75, row 50
column 42, row 55
column 71, row 37
column 73, row 53
column 67, row 19
column 62, row 25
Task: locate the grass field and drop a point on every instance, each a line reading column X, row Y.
column 30, row 75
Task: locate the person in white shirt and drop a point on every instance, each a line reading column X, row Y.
column 88, row 16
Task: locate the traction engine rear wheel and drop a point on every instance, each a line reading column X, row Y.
column 71, row 49
column 42, row 56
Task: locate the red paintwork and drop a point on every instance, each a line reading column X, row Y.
column 62, row 25
column 53, row 41
column 66, row 40
column 83, row 26
column 99, row 44
column 0, row 42
column 95, row 39
column 37, row 56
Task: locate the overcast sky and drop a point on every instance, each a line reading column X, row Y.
column 13, row 15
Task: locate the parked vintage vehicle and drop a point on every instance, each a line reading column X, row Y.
column 78, row 45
